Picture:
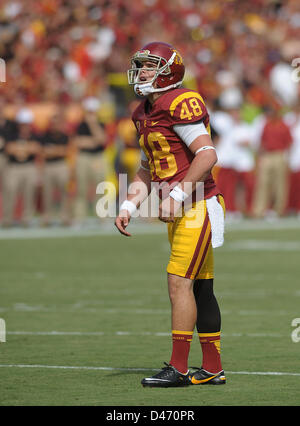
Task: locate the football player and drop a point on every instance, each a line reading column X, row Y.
column 177, row 150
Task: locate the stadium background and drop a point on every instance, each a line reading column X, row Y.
column 88, row 317
column 60, row 56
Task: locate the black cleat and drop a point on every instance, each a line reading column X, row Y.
column 168, row 377
column 203, row 377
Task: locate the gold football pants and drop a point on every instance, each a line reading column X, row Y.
column 190, row 239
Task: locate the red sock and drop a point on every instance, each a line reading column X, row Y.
column 181, row 348
column 210, row 344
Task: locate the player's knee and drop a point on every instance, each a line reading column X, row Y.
column 178, row 287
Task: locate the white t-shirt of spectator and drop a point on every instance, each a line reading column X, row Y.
column 222, row 122
column 243, row 153
column 282, row 83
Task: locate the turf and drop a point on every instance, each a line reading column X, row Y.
column 111, row 291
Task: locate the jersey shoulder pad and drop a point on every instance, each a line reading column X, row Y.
column 185, row 106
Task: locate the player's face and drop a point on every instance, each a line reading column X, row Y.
column 147, row 72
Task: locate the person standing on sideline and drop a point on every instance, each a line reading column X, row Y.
column 294, row 165
column 243, row 163
column 271, row 186
column 91, row 165
column 173, row 125
column 7, row 130
column 56, row 173
column 20, row 178
column 226, row 178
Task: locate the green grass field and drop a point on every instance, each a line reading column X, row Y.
column 87, row 317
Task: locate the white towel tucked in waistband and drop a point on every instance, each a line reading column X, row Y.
column 216, row 217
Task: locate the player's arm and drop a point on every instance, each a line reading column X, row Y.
column 204, row 160
column 196, row 137
column 11, row 147
column 98, row 133
column 138, row 191
column 53, row 151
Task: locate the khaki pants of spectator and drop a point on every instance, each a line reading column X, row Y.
column 272, row 183
column 56, row 176
column 3, row 163
column 91, row 169
column 19, row 179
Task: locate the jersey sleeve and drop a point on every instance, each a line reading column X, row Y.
column 187, row 107
column 189, row 132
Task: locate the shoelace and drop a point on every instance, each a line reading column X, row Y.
column 166, row 368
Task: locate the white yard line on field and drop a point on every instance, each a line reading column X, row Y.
column 95, row 227
column 70, row 367
column 127, row 333
column 100, row 309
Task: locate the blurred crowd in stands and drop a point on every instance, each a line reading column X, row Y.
column 65, row 104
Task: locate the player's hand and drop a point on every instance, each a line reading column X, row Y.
column 168, row 209
column 122, row 221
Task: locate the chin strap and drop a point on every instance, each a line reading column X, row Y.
column 146, row 88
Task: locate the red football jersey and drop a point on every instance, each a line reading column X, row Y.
column 168, row 156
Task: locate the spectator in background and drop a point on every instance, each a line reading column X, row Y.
column 226, row 174
column 20, row 176
column 272, row 168
column 2, row 142
column 127, row 138
column 56, row 173
column 60, row 57
column 294, row 164
column 7, row 130
column 129, row 152
column 236, row 162
column 244, row 162
column 91, row 165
